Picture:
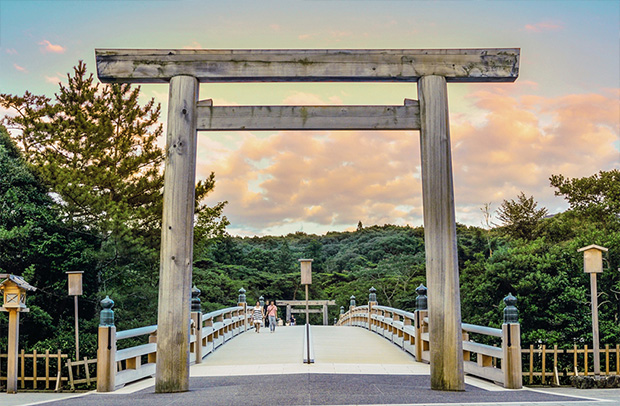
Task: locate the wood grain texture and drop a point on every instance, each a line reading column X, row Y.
column 106, row 359
column 272, row 118
column 511, row 358
column 314, row 65
column 442, row 274
column 173, row 330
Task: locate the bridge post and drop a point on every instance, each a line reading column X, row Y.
column 420, row 327
column 288, row 313
column 372, row 301
column 442, row 273
column 325, row 316
column 177, row 237
column 511, row 345
column 106, row 351
column 241, row 301
column 196, row 315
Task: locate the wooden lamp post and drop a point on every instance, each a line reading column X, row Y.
column 75, row 290
column 14, row 291
column 306, row 280
column 593, row 264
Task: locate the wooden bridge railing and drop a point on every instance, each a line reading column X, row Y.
column 409, row 331
column 116, row 368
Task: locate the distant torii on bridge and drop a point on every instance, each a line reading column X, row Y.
column 185, row 69
column 290, row 303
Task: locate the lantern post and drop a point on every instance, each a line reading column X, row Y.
column 75, row 290
column 593, row 264
column 306, row 280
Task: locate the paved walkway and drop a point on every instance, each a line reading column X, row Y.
column 266, row 369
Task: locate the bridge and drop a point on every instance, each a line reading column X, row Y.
column 374, row 355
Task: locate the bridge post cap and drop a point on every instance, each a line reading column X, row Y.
column 511, row 313
column 341, row 309
column 421, row 290
column 241, row 291
column 195, row 307
column 352, row 297
column 107, row 303
column 372, row 290
column 106, row 316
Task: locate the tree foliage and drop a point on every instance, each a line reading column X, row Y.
column 520, row 217
column 595, row 197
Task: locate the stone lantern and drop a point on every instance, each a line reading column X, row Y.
column 14, row 290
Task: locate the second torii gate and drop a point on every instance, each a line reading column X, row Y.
column 185, row 69
column 290, row 303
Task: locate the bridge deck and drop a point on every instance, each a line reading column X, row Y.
column 336, row 349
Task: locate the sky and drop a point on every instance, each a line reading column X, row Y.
column 561, row 116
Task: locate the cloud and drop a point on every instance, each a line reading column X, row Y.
column 193, row 45
column 11, row 51
column 275, row 27
column 543, row 26
column 47, row 46
column 278, row 182
column 52, row 79
column 20, row 68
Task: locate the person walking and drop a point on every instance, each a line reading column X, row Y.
column 272, row 314
column 258, row 315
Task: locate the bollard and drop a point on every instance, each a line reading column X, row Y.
column 106, row 351
column 511, row 345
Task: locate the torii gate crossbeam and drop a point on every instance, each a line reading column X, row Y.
column 185, row 69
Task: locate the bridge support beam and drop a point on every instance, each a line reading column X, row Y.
column 177, row 237
column 442, row 274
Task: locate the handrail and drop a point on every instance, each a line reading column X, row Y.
column 220, row 312
column 410, row 332
column 135, row 332
column 208, row 331
column 487, row 331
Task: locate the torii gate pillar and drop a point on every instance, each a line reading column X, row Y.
column 177, row 238
column 442, row 273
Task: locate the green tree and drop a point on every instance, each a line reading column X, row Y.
column 595, row 197
column 36, row 244
column 520, row 217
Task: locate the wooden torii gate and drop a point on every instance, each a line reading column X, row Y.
column 290, row 303
column 185, row 69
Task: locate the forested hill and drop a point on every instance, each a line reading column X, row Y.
column 544, row 271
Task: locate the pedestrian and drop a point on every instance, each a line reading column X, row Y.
column 258, row 315
column 272, row 314
column 292, row 320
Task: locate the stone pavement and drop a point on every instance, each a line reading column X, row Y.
column 266, row 369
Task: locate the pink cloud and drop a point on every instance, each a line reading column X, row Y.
column 335, row 179
column 11, row 51
column 49, row 47
column 52, row 79
column 543, row 26
column 20, row 68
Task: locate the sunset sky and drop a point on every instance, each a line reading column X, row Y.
column 562, row 116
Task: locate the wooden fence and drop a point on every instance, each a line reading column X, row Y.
column 35, row 368
column 553, row 364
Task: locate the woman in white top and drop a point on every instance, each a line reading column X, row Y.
column 258, row 315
